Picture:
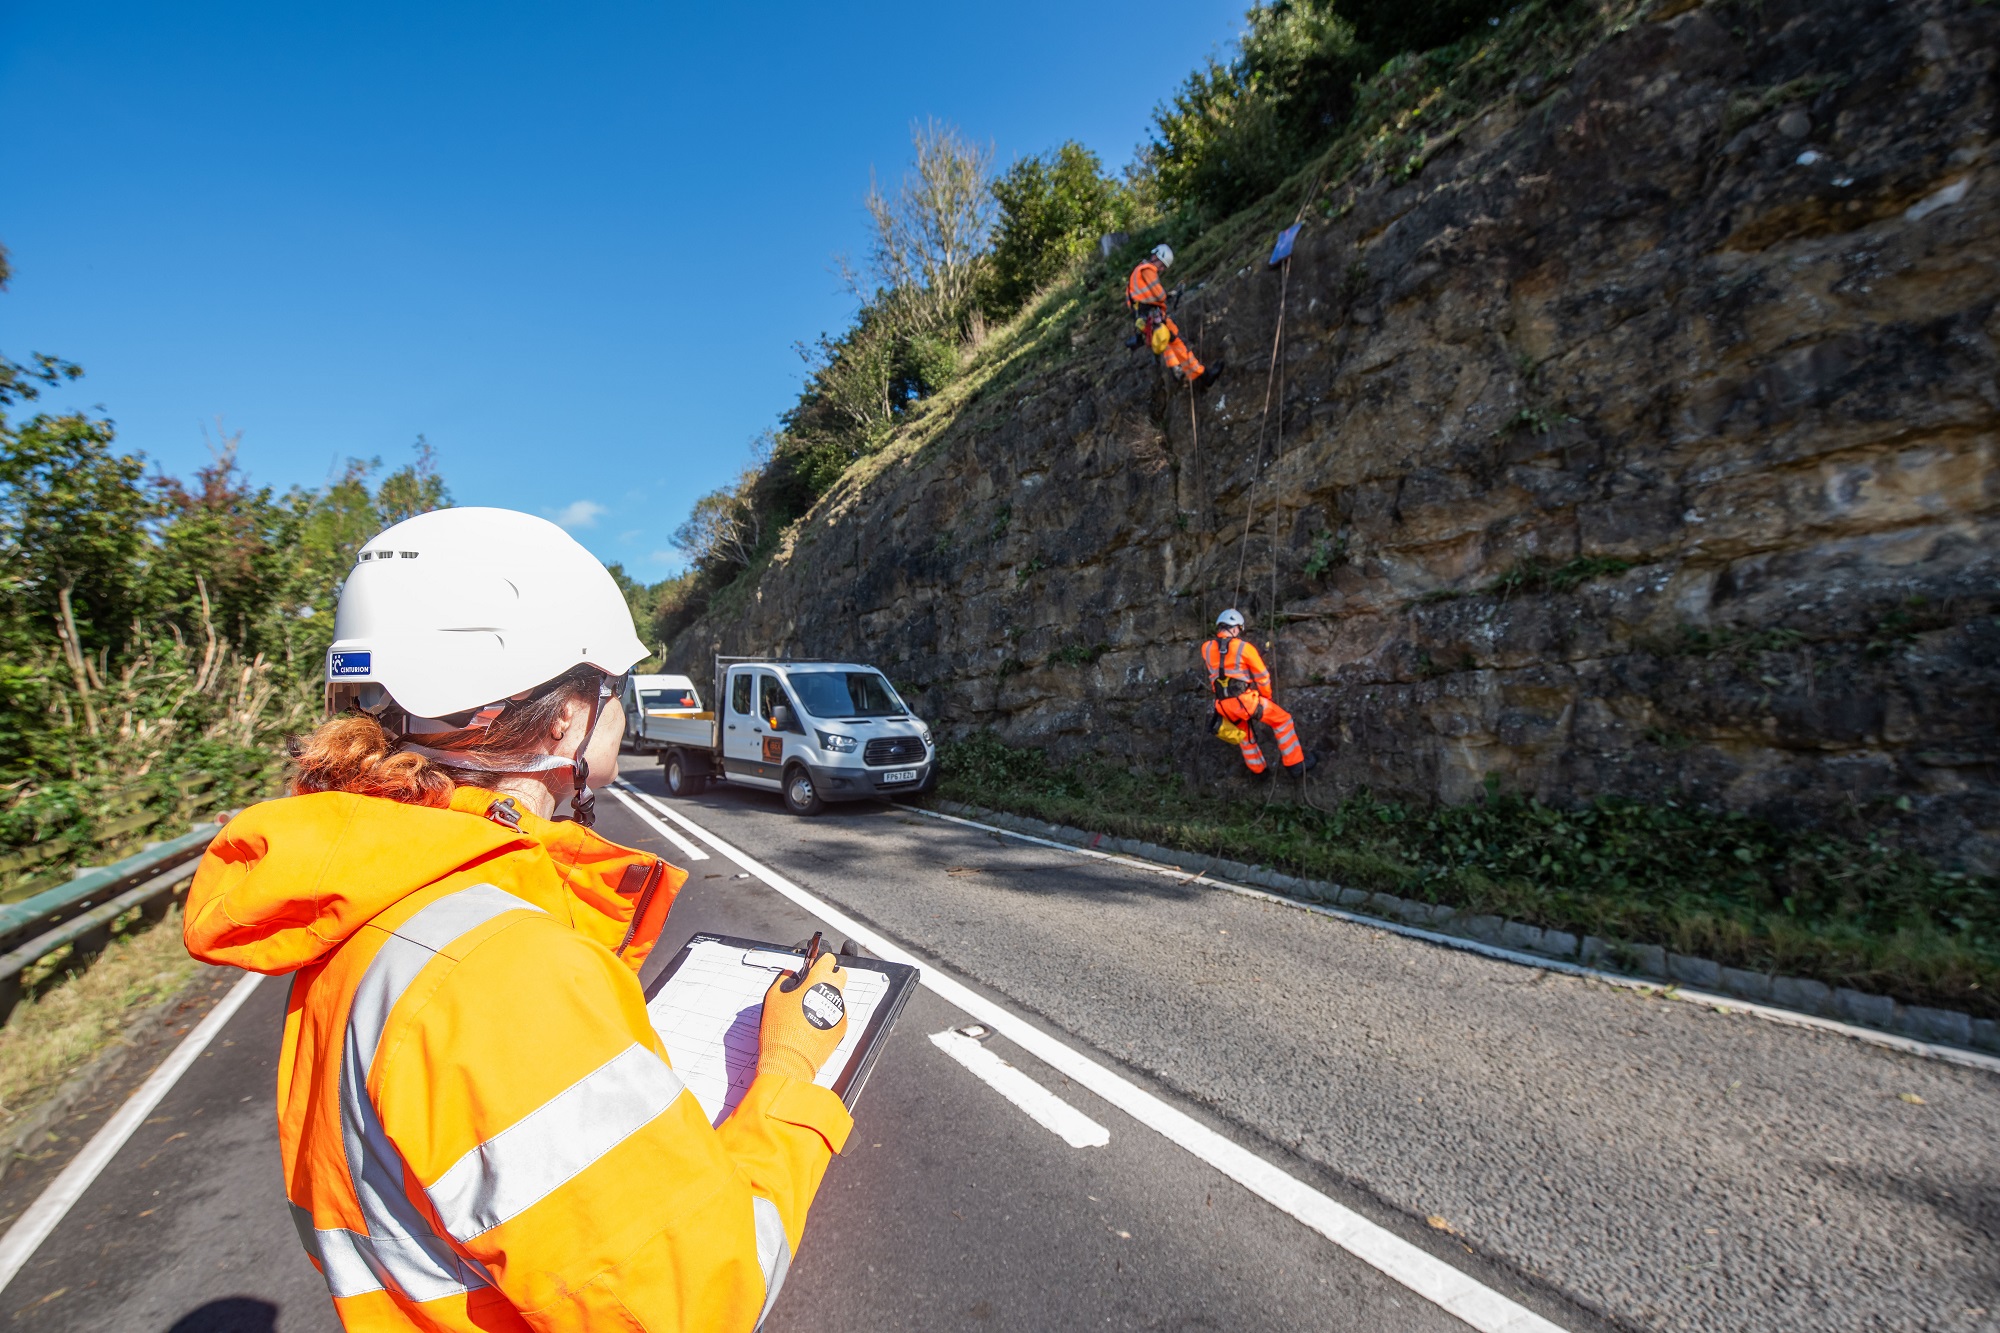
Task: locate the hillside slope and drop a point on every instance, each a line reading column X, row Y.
column 1642, row 442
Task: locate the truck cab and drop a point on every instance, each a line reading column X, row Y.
column 812, row 731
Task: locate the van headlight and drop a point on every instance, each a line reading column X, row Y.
column 926, row 734
column 836, row 743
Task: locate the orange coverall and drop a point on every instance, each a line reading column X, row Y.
column 1145, row 294
column 479, row 1126
column 1235, row 659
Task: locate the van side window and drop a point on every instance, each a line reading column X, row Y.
column 739, row 692
column 773, row 694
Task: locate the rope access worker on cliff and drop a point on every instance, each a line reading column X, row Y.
column 1241, row 685
column 1147, row 295
column 480, row 1129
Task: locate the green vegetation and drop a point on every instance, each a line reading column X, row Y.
column 1715, row 885
column 1534, row 575
column 1052, row 210
column 70, row 1014
column 157, row 636
column 1328, row 553
column 1078, row 654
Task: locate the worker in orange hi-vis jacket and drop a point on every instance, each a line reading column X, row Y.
column 1147, row 295
column 1241, row 684
column 481, row 1132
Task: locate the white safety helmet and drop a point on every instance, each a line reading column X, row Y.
column 1165, row 254
column 1230, row 619
column 457, row 609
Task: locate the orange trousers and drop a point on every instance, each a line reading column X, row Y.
column 1246, row 709
column 1172, row 350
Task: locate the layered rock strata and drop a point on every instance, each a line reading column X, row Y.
column 1643, row 442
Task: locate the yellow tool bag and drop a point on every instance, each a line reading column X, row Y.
column 1226, row 730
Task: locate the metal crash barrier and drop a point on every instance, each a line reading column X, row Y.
column 80, row 913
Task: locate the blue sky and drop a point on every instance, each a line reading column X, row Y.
column 572, row 245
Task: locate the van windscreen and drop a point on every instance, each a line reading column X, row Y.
column 832, row 694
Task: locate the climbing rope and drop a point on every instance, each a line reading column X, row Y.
column 1263, row 422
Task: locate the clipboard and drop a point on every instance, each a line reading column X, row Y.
column 709, row 1002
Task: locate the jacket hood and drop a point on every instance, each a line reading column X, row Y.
column 288, row 881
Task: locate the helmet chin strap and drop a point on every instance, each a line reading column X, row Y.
column 582, row 800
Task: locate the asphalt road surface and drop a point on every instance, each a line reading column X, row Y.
column 1602, row 1158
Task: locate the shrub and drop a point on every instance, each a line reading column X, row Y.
column 1052, row 210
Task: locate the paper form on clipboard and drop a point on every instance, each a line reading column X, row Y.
column 708, row 1004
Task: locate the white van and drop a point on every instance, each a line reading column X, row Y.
column 813, row 731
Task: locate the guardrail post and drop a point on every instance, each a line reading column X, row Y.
column 89, row 944
column 10, row 995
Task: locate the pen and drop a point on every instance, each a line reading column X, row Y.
column 812, row 953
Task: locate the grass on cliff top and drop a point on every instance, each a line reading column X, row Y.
column 73, row 1015
column 1715, row 885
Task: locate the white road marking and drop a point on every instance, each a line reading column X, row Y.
column 42, row 1217
column 1043, row 1107
column 1430, row 1277
column 625, row 793
column 1664, row 989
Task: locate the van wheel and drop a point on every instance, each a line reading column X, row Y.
column 801, row 797
column 681, row 782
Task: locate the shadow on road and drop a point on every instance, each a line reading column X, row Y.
column 231, row 1314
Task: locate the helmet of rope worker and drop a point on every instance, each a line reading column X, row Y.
column 492, row 644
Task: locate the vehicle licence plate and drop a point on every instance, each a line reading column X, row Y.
column 901, row 775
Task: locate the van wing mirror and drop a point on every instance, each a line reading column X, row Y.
column 781, row 718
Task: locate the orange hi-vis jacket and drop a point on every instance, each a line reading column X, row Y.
column 1144, row 288
column 1235, row 659
column 480, row 1128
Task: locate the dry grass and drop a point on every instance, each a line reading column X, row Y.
column 77, row 1015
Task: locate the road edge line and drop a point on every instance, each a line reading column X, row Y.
column 1666, row 990
column 53, row 1204
column 625, row 792
column 1419, row 1271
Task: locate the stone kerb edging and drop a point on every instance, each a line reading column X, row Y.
column 1649, row 961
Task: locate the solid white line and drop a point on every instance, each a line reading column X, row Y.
column 1043, row 1107
column 27, row 1235
column 625, row 792
column 1424, row 1274
column 1955, row 1055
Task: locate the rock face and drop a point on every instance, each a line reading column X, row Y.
column 1643, row 442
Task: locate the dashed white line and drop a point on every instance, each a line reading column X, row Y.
column 1042, row 1106
column 47, row 1211
column 625, row 793
column 1426, row 1275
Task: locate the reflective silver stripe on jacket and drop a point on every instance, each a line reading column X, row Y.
column 398, row 1250
column 553, row 1144
column 774, row 1249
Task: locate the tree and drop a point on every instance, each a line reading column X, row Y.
column 929, row 237
column 73, row 525
column 414, row 489
column 1052, row 210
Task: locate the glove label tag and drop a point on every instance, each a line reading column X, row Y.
column 823, row 1006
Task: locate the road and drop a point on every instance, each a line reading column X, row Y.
column 1602, row 1158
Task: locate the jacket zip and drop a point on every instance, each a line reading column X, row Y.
column 654, row 878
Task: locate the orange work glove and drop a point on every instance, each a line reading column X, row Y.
column 803, row 1022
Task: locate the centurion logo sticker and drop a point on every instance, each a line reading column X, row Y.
column 824, row 1007
column 350, row 664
